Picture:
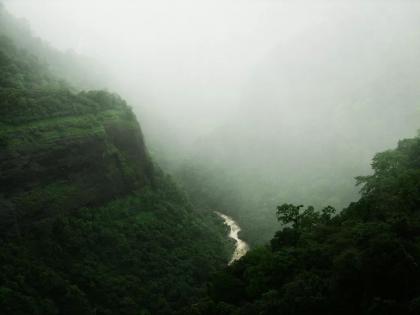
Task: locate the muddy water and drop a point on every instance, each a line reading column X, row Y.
column 241, row 247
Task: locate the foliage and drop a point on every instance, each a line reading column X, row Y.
column 61, row 149
column 88, row 225
column 146, row 252
column 306, row 219
column 365, row 260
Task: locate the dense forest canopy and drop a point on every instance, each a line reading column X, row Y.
column 365, row 260
column 88, row 223
column 130, row 131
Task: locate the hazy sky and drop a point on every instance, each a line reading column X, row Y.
column 188, row 59
column 195, row 62
column 288, row 99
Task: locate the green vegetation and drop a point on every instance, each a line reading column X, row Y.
column 147, row 253
column 61, row 149
column 212, row 187
column 88, row 225
column 364, row 260
column 80, row 71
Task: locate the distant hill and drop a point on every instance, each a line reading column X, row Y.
column 81, row 71
column 312, row 116
column 365, row 260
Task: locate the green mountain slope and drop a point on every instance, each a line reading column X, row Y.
column 88, row 225
column 63, row 150
column 83, row 72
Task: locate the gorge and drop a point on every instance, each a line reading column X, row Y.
column 125, row 124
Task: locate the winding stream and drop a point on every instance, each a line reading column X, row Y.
column 241, row 247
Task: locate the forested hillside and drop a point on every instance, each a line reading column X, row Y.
column 89, row 225
column 364, row 260
column 312, row 115
column 83, row 72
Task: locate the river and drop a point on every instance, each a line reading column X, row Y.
column 241, row 247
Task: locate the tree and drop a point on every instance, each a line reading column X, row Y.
column 289, row 213
column 306, row 219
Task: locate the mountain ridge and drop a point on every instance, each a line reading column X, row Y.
column 89, row 224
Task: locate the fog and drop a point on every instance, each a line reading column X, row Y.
column 278, row 100
column 187, row 61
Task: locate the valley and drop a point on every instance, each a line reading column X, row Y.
column 209, row 157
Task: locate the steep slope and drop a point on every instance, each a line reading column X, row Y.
column 62, row 150
column 88, row 225
column 83, row 72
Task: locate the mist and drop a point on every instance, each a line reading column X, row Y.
column 186, row 61
column 270, row 100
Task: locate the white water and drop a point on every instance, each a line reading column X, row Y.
column 241, row 247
